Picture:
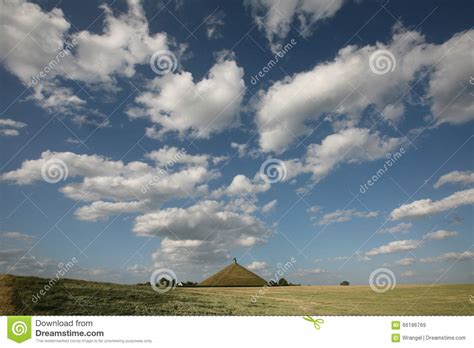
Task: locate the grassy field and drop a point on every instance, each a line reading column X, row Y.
column 76, row 297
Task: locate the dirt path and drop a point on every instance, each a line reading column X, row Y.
column 6, row 295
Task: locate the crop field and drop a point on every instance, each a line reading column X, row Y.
column 77, row 297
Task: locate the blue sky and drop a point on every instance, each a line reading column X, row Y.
column 135, row 136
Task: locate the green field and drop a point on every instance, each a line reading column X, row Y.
column 77, row 297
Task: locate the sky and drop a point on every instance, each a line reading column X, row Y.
column 144, row 135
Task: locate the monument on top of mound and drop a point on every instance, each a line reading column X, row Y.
column 233, row 275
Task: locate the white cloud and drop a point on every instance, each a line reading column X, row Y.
column 9, row 132
column 257, row 266
column 175, row 103
column 169, row 156
column 440, row 234
column 403, row 227
column 37, row 43
column 289, row 107
column 352, row 145
column 9, row 123
column 78, row 165
column 241, row 148
column 452, row 256
column 138, row 269
column 449, row 83
column 241, row 186
column 424, row 207
column 131, row 187
column 406, row 261
column 394, row 247
column 206, row 219
column 314, row 209
column 214, row 22
column 269, row 206
column 306, row 272
column 9, row 127
column 344, row 215
column 203, row 234
column 102, row 210
column 18, row 236
column 124, row 42
column 275, row 17
column 455, row 177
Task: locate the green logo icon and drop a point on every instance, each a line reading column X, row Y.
column 316, row 322
column 19, row 328
column 395, row 325
column 395, row 337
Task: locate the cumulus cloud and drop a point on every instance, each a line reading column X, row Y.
column 18, row 236
column 94, row 58
column 451, row 256
column 139, row 269
column 306, row 272
column 344, row 216
column 102, row 210
column 314, row 209
column 241, row 148
column 175, row 103
column 406, row 261
column 257, row 266
column 169, row 156
column 394, row 247
column 352, row 145
column 269, row 206
column 455, row 177
column 289, row 107
column 116, row 187
column 213, row 24
column 204, row 219
column 452, row 103
column 403, row 227
column 242, row 185
column 202, row 234
column 440, row 234
column 9, row 127
column 275, row 17
column 425, row 207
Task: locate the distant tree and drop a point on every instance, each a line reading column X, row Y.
column 345, row 283
column 282, row 282
column 272, row 283
column 189, row 284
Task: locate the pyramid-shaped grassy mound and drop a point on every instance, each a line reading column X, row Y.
column 234, row 275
